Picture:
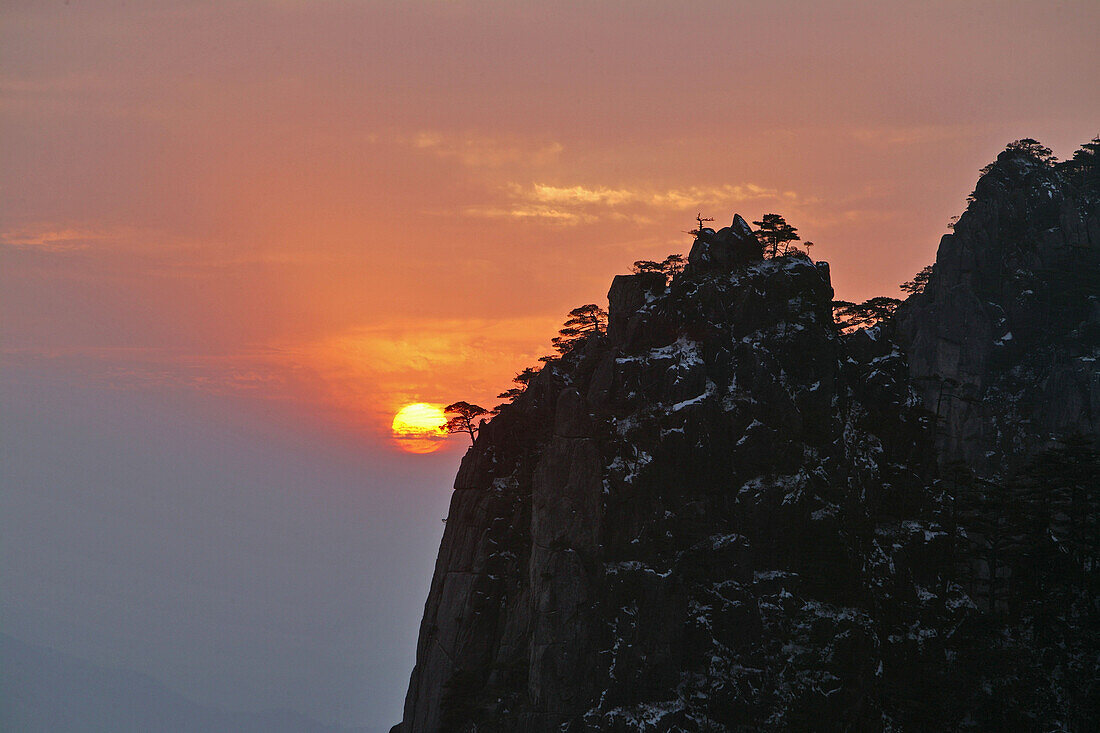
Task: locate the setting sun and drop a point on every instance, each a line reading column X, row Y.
column 418, row 428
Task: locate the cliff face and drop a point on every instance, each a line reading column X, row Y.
column 1003, row 340
column 723, row 515
column 626, row 541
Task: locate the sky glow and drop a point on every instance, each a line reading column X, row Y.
column 270, row 225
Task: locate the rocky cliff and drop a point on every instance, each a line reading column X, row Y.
column 724, row 515
column 1002, row 341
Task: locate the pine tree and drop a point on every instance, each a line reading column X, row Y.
column 775, row 234
column 669, row 267
column 851, row 316
column 521, row 380
column 583, row 322
column 462, row 420
column 919, row 281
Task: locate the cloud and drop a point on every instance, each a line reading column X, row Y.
column 173, row 255
column 54, row 238
column 578, row 195
column 674, row 198
column 583, row 204
column 545, row 214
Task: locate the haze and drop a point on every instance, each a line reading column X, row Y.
column 236, row 237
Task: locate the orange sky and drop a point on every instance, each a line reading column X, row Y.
column 346, row 206
column 236, row 236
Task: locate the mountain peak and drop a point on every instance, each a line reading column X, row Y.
column 724, row 514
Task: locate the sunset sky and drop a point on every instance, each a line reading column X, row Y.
column 236, row 237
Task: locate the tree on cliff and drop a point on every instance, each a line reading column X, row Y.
column 583, row 322
column 1027, row 147
column 851, row 316
column 1082, row 169
column 462, row 418
column 919, row 281
column 1033, row 149
column 775, row 234
column 669, row 267
column 521, row 380
column 673, row 265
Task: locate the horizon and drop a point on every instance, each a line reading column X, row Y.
column 239, row 237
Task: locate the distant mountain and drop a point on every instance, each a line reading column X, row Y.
column 726, row 515
column 45, row 691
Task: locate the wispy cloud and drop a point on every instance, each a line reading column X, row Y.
column 671, row 198
column 586, row 204
column 173, row 254
column 545, row 214
column 54, row 238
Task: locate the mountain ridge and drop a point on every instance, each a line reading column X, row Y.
column 727, row 515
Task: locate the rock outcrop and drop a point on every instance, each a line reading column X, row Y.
column 626, row 297
column 1002, row 342
column 725, row 248
column 726, row 516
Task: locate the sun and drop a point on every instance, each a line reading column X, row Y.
column 418, row 428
